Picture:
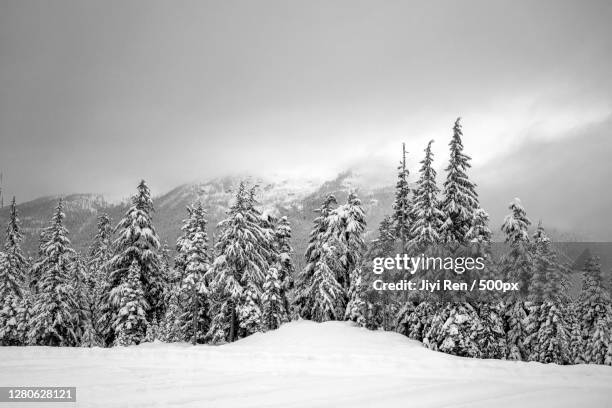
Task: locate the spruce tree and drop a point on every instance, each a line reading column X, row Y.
column 452, row 331
column 137, row 241
column 326, row 294
column 128, row 298
column 516, row 266
column 402, row 205
column 357, row 307
column 97, row 276
column 285, row 268
column 426, row 213
column 548, row 328
column 347, row 225
column 382, row 247
column 18, row 263
column 274, row 308
column 193, row 248
column 317, row 238
column 13, row 288
column 238, row 271
column 460, row 198
column 56, row 319
column 594, row 314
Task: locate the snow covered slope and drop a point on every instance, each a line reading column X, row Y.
column 303, row 364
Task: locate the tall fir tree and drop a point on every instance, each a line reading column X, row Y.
column 516, row 266
column 96, row 278
column 357, row 306
column 594, row 313
column 137, row 241
column 12, row 248
column 426, row 213
column 128, row 298
column 303, row 301
column 193, row 247
column 13, row 288
column 274, row 307
column 285, row 268
column 347, row 226
column 238, row 272
column 402, row 205
column 327, row 297
column 460, row 198
column 548, row 326
column 56, row 317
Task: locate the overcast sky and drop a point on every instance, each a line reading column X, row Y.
column 95, row 95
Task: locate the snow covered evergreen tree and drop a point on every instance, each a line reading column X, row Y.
column 548, row 328
column 274, row 308
column 326, row 295
column 286, row 271
column 517, row 266
column 479, row 234
column 460, row 198
column 425, row 211
column 193, row 247
column 95, row 280
column 128, row 298
column 13, row 288
column 385, row 308
column 318, row 236
column 18, row 263
column 594, row 314
column 238, row 272
column 347, row 225
column 452, row 331
column 490, row 336
column 137, row 241
column 56, row 319
column 402, row 205
column 357, row 307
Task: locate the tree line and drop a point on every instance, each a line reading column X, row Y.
column 127, row 290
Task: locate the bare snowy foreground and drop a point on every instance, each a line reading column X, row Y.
column 303, row 364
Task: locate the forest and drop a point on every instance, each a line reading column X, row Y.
column 128, row 288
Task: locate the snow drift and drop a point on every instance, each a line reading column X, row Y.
column 303, row 364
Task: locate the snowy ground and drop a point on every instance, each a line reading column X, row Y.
column 303, row 364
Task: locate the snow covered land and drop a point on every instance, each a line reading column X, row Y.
column 302, row 364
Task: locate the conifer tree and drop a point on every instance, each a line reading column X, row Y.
column 357, row 307
column 460, row 198
column 593, row 312
column 402, row 205
column 490, row 336
column 13, row 290
column 137, row 241
column 97, row 275
column 193, row 246
column 548, row 327
column 326, row 294
column 238, row 271
column 479, row 234
column 347, row 225
column 426, row 213
column 317, row 238
column 56, row 319
column 452, row 331
column 128, row 298
column 382, row 247
column 274, row 308
column 18, row 263
column 286, row 271
column 517, row 266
